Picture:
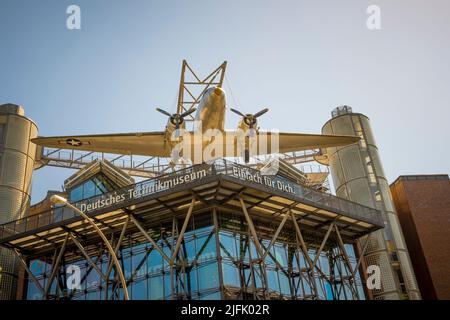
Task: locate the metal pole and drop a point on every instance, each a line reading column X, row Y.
column 108, row 245
column 218, row 252
column 181, row 235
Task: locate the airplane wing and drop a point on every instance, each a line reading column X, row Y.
column 142, row 143
column 289, row 142
column 154, row 143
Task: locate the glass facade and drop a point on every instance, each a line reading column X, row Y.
column 96, row 185
column 213, row 263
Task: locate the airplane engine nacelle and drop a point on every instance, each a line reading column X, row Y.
column 172, row 126
column 246, row 125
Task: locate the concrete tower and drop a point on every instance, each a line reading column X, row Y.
column 17, row 156
column 358, row 176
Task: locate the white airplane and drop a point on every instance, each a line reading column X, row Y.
column 211, row 115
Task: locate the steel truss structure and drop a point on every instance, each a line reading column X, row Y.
column 138, row 166
column 252, row 272
column 315, row 229
column 194, row 86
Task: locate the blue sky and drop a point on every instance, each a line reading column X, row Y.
column 299, row 58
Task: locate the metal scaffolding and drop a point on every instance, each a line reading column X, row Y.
column 260, row 217
column 253, row 275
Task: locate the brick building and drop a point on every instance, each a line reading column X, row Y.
column 423, row 206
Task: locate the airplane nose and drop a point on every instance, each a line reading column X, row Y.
column 218, row 91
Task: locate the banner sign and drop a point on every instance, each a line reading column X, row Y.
column 274, row 182
column 142, row 189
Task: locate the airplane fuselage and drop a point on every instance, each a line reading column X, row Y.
column 210, row 122
column 211, row 110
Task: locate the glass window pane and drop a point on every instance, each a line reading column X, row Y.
column 206, row 247
column 76, row 194
column 93, row 279
column 93, row 295
column 139, row 290
column 280, row 254
column 155, row 287
column 167, row 285
column 227, row 246
column 33, row 292
column 88, row 189
column 154, row 262
column 189, row 247
column 208, row 276
column 138, row 264
column 231, row 275
column 211, row 296
column 272, row 279
column 192, row 280
column 284, row 283
column 99, row 185
column 126, row 265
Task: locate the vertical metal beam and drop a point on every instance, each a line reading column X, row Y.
column 344, row 252
column 275, row 236
column 172, row 274
column 351, row 281
column 222, row 75
column 312, row 265
column 302, row 242
column 181, row 89
column 361, row 256
column 218, row 252
column 251, row 227
column 110, row 264
column 177, row 246
column 259, row 250
column 183, row 229
column 119, row 243
column 30, row 274
column 56, row 266
column 322, row 245
column 252, row 270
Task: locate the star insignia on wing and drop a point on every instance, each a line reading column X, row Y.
column 74, row 142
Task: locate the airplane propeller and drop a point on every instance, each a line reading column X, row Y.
column 176, row 119
column 250, row 119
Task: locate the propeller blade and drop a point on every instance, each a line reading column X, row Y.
column 237, row 112
column 192, row 110
column 260, row 113
column 164, row 112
